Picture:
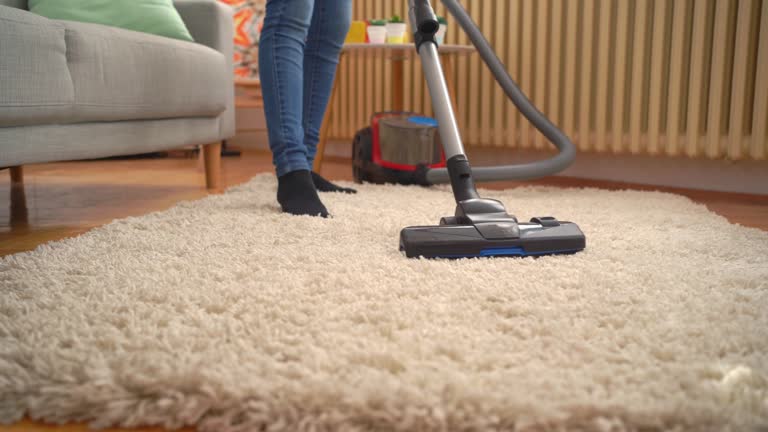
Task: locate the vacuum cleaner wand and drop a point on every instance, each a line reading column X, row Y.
column 480, row 226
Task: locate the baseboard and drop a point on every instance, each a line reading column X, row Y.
column 750, row 177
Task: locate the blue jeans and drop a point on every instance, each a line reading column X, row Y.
column 298, row 54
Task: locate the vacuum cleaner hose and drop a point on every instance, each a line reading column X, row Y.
column 537, row 118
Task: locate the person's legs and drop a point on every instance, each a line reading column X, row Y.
column 281, row 57
column 329, row 27
column 281, row 69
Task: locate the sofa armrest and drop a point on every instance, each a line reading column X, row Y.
column 211, row 24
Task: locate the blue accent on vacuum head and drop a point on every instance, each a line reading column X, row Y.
column 550, row 237
column 510, row 252
column 517, row 251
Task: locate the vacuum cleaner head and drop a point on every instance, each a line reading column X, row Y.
column 482, row 228
column 493, row 239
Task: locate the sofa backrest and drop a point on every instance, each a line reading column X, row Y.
column 21, row 4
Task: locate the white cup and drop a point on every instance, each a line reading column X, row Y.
column 440, row 36
column 377, row 34
column 396, row 32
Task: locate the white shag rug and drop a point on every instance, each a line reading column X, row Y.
column 227, row 315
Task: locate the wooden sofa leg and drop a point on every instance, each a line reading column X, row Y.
column 19, row 214
column 212, row 160
column 17, row 175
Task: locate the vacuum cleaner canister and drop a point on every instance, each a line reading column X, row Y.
column 397, row 147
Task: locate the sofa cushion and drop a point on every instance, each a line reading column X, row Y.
column 35, row 86
column 124, row 75
column 69, row 72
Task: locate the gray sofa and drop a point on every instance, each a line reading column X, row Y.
column 72, row 90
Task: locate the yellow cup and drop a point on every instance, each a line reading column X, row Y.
column 357, row 32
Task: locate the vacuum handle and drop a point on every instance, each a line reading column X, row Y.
column 423, row 16
column 460, row 173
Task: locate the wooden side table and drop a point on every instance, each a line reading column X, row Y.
column 398, row 54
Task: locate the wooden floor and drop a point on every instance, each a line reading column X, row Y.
column 68, row 199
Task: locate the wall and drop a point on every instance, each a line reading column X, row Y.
column 640, row 77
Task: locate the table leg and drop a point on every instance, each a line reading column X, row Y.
column 398, row 66
column 325, row 128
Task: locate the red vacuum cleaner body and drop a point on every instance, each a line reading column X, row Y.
column 397, row 147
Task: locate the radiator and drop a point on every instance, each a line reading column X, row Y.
column 653, row 77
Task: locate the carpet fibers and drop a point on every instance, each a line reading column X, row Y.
column 227, row 315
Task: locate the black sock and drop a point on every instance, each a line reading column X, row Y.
column 297, row 195
column 324, row 185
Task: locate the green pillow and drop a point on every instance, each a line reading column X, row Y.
column 149, row 16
